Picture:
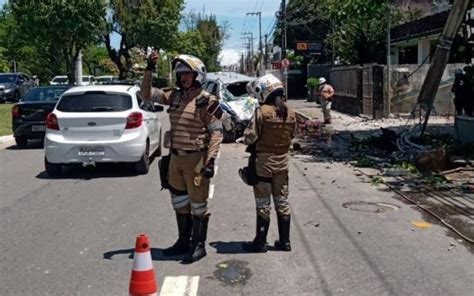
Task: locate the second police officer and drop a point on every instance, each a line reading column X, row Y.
column 269, row 134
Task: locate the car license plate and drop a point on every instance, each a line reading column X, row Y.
column 38, row 128
column 91, row 151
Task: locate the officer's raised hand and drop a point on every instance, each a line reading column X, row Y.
column 208, row 170
column 151, row 61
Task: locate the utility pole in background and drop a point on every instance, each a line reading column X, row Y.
column 389, row 74
column 250, row 49
column 260, row 51
column 283, row 43
column 440, row 58
column 265, row 57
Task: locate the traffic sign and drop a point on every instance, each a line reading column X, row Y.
column 285, row 63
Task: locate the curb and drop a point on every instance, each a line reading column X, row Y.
column 6, row 141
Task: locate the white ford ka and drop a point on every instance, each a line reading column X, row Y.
column 102, row 123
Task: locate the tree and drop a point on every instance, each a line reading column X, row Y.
column 140, row 24
column 64, row 27
column 97, row 62
column 212, row 36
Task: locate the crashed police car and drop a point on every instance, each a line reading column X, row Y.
column 230, row 88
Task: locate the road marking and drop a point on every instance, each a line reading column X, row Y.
column 211, row 191
column 180, row 286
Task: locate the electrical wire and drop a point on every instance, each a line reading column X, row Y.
column 452, row 228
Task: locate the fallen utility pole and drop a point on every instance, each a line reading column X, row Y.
column 440, row 57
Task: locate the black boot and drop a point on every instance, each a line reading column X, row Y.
column 259, row 244
column 185, row 226
column 198, row 241
column 283, row 244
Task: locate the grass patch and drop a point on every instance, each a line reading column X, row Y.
column 5, row 119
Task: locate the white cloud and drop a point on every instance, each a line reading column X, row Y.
column 229, row 57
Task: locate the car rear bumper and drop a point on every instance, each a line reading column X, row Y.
column 30, row 130
column 129, row 148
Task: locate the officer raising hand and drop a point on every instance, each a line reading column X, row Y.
column 194, row 141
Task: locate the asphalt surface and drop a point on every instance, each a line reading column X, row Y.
column 75, row 235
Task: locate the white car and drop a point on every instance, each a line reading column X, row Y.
column 102, row 123
column 60, row 79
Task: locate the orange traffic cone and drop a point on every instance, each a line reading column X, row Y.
column 143, row 281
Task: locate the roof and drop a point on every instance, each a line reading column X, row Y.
column 228, row 77
column 422, row 27
column 105, row 88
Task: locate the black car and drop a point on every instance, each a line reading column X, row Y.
column 29, row 115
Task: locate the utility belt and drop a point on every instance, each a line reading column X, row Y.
column 180, row 152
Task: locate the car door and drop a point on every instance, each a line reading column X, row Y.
column 151, row 121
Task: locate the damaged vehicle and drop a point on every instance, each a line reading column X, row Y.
column 230, row 88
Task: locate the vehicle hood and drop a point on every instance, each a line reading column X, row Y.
column 6, row 85
column 244, row 107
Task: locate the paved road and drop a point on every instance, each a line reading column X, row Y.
column 75, row 235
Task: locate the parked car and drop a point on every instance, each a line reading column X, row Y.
column 106, row 79
column 29, row 115
column 14, row 86
column 88, row 80
column 230, row 88
column 102, row 123
column 57, row 80
column 61, row 79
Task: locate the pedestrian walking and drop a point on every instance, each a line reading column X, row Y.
column 194, row 140
column 325, row 93
column 269, row 136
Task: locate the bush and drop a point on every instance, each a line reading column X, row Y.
column 312, row 83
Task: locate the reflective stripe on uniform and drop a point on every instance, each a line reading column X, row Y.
column 179, row 201
column 199, row 209
column 262, row 202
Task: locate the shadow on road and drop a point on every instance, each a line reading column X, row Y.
column 102, row 170
column 233, row 247
column 156, row 255
column 32, row 145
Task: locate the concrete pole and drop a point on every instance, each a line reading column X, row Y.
column 389, row 74
column 440, row 57
column 78, row 69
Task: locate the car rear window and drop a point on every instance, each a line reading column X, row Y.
column 95, row 102
column 44, row 94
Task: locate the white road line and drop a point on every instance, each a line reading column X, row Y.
column 211, row 191
column 180, row 286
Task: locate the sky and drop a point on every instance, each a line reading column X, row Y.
column 234, row 13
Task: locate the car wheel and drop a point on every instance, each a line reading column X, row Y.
column 16, row 97
column 143, row 165
column 52, row 169
column 21, row 142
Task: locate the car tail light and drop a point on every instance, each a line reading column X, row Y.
column 16, row 112
column 52, row 122
column 134, row 120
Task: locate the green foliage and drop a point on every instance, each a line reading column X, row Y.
column 191, row 42
column 312, row 82
column 5, row 119
column 376, row 180
column 140, row 24
column 407, row 166
column 96, row 61
column 61, row 28
column 208, row 43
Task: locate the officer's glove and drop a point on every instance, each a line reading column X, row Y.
column 240, row 140
column 208, row 170
column 151, row 61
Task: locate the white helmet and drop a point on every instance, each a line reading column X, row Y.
column 263, row 86
column 188, row 63
column 322, row 80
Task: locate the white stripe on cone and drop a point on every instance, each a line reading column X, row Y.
column 142, row 261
